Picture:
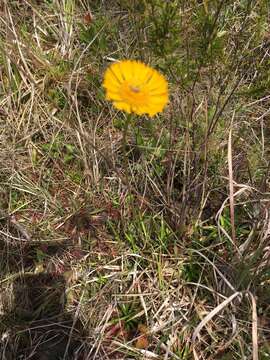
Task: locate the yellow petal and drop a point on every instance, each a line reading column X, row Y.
column 121, row 105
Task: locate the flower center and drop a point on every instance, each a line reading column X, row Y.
column 134, row 94
column 134, row 89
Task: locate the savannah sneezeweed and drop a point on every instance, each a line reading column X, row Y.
column 136, row 89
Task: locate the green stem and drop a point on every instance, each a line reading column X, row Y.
column 124, row 139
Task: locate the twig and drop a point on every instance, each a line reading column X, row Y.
column 231, row 194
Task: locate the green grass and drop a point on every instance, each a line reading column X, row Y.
column 103, row 240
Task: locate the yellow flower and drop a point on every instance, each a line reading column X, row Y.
column 135, row 87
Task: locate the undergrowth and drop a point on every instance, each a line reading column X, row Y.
column 160, row 251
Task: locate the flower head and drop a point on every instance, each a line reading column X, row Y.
column 135, row 87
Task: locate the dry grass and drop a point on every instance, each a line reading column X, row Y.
column 160, row 251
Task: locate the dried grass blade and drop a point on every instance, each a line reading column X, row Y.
column 214, row 312
column 255, row 354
